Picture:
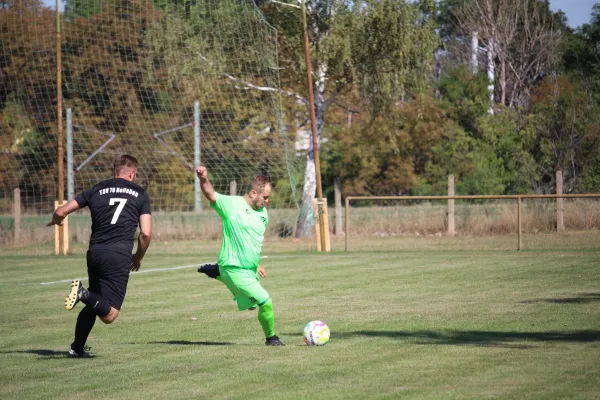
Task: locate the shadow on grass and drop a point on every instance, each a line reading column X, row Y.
column 43, row 353
column 583, row 298
column 482, row 338
column 187, row 342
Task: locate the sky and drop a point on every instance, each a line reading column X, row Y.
column 578, row 11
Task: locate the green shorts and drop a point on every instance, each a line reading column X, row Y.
column 245, row 286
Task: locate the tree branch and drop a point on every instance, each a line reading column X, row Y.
column 338, row 90
column 345, row 107
column 248, row 85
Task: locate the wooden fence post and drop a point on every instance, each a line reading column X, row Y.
column 560, row 222
column 17, row 215
column 320, row 206
column 61, row 234
column 451, row 230
column 337, row 184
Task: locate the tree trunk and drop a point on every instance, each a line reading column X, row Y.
column 306, row 219
column 474, row 52
column 502, row 81
column 491, row 74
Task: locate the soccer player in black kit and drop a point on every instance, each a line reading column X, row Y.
column 117, row 207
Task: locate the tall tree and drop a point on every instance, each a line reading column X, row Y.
column 384, row 49
column 522, row 35
column 566, row 126
column 581, row 54
column 28, row 98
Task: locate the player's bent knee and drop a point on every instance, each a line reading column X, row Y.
column 111, row 316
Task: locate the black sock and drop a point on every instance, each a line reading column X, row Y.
column 97, row 303
column 85, row 323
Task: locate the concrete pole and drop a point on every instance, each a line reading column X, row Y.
column 337, row 185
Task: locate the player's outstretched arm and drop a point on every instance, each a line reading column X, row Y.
column 205, row 184
column 143, row 241
column 61, row 212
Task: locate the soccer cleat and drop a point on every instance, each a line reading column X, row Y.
column 84, row 354
column 211, row 270
column 274, row 341
column 75, row 295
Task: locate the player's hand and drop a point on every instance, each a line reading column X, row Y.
column 56, row 220
column 136, row 263
column 202, row 172
column 262, row 272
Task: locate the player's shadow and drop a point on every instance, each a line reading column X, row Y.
column 43, row 353
column 480, row 338
column 189, row 343
column 581, row 298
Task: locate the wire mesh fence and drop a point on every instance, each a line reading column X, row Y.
column 173, row 83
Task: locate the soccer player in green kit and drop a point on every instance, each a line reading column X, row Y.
column 245, row 221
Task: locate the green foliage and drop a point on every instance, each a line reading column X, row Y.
column 446, row 18
column 18, row 130
column 581, row 54
column 507, row 147
column 394, row 44
column 466, row 95
column 205, row 51
column 492, row 160
column 565, row 123
column 82, row 8
column 384, row 155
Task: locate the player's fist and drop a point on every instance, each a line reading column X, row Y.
column 262, row 272
column 136, row 263
column 202, row 172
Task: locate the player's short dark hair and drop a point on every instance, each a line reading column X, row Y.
column 258, row 183
column 125, row 161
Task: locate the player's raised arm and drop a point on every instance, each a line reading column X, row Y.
column 205, row 184
column 61, row 212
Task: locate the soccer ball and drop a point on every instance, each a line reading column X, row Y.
column 316, row 333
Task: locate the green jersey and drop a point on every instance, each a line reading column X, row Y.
column 243, row 231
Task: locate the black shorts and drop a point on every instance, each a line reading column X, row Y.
column 109, row 273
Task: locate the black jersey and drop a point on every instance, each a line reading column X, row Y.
column 116, row 206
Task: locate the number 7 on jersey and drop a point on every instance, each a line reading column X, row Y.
column 121, row 202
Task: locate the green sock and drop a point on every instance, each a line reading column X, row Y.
column 266, row 318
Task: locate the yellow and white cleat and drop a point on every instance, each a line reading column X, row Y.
column 74, row 295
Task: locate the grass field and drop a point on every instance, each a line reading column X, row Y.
column 407, row 324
